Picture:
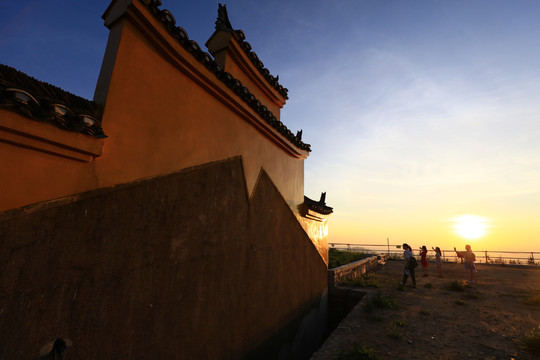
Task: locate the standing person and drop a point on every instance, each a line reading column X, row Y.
column 409, row 268
column 423, row 260
column 469, row 259
column 438, row 260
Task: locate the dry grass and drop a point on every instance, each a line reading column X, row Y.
column 531, row 341
column 448, row 319
column 533, row 299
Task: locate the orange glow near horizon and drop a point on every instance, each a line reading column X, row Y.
column 483, row 229
column 470, row 227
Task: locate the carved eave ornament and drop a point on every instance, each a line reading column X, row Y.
column 316, row 210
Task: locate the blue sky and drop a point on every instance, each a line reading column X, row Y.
column 417, row 111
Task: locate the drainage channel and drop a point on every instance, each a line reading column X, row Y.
column 340, row 303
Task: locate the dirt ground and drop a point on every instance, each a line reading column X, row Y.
column 485, row 321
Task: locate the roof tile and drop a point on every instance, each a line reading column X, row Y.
column 41, row 101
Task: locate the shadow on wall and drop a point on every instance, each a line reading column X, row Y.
column 180, row 264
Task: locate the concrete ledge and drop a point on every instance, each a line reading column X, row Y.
column 353, row 270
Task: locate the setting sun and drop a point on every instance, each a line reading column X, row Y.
column 470, row 226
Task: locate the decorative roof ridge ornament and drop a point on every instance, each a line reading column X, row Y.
column 222, row 21
column 322, row 201
column 318, row 206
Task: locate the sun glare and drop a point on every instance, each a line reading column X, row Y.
column 470, row 226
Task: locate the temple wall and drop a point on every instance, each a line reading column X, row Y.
column 317, row 232
column 164, row 112
column 182, row 266
column 178, row 236
column 193, row 125
column 229, row 53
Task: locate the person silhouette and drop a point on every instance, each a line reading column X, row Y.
column 438, row 260
column 468, row 259
column 409, row 269
column 423, row 260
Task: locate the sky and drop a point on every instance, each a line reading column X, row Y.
column 417, row 111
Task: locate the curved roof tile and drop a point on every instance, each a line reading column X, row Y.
column 41, row 101
column 273, row 80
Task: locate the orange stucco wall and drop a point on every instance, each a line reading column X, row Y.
column 191, row 125
column 164, row 112
column 228, row 53
column 317, row 232
column 30, row 175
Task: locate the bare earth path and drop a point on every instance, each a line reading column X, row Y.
column 483, row 322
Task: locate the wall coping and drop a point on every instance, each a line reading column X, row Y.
column 20, row 131
column 354, row 269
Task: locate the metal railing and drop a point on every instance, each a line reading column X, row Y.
column 484, row 256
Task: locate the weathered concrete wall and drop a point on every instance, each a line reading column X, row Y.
column 183, row 266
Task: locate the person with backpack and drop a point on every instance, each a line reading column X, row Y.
column 410, row 265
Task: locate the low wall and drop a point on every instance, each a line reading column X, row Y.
column 353, row 270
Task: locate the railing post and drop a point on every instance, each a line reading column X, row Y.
column 516, row 257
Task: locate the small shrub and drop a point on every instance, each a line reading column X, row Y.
column 456, row 286
column 402, row 322
column 531, row 341
column 358, row 353
column 394, row 332
column 366, row 280
column 380, row 301
column 500, row 261
column 533, row 300
column 459, row 302
column 337, row 258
